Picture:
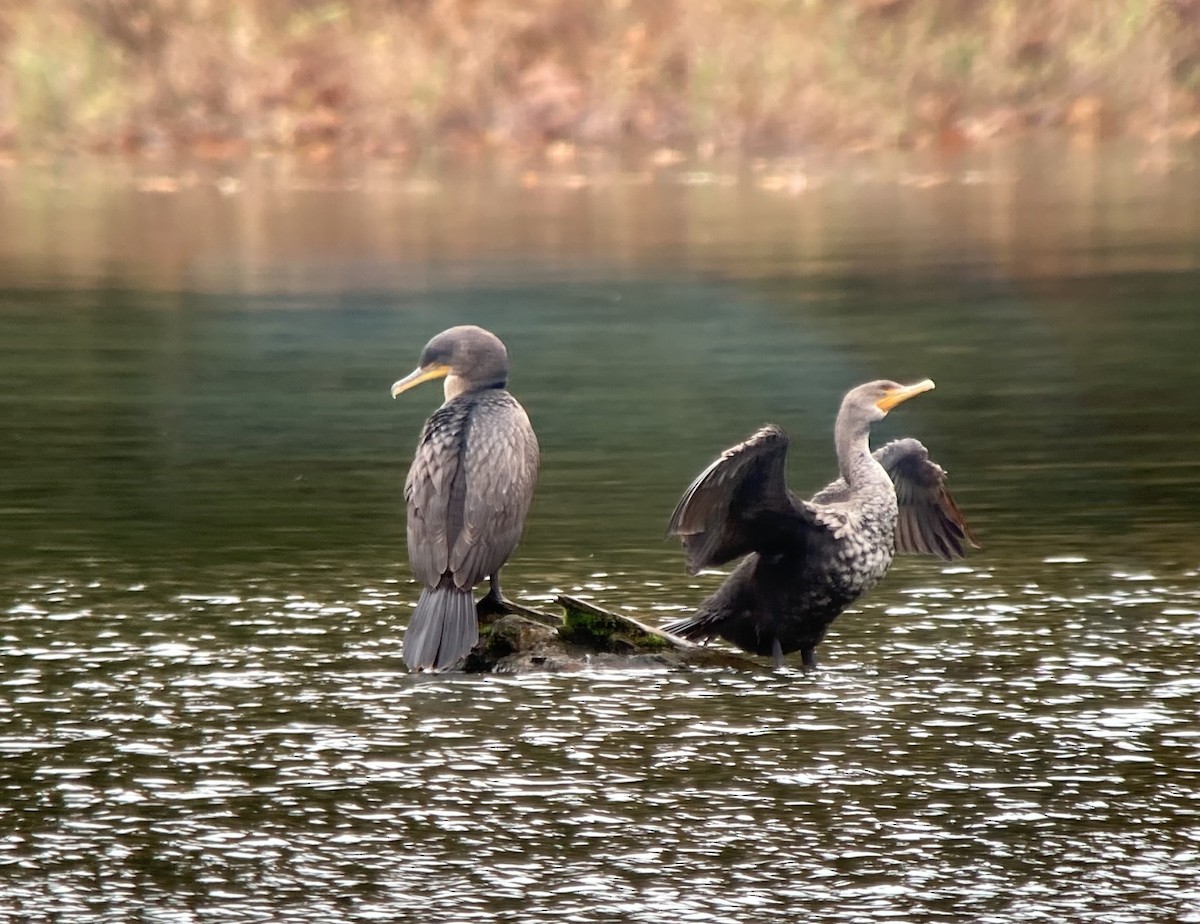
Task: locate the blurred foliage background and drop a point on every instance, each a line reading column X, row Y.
column 687, row 78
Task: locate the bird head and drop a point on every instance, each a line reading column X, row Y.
column 469, row 358
column 873, row 400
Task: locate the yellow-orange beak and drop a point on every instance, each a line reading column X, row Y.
column 417, row 376
column 900, row 395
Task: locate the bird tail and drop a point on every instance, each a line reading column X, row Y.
column 442, row 629
column 697, row 627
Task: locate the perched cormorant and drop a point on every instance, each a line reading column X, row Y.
column 806, row 561
column 468, row 491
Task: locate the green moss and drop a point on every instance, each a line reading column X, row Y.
column 603, row 631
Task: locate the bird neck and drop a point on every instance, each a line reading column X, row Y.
column 455, row 385
column 857, row 465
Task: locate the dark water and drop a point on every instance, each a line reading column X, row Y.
column 203, row 590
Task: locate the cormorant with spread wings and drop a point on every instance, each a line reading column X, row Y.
column 807, row 561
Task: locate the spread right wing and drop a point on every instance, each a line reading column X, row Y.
column 741, row 504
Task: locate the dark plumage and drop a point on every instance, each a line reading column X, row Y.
column 468, row 491
column 806, row 561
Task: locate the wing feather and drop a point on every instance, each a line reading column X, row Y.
column 501, row 462
column 740, row 504
column 469, row 488
column 930, row 521
column 426, row 494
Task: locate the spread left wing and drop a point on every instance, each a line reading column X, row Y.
column 930, row 522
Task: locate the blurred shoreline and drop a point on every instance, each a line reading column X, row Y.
column 555, row 82
column 281, row 224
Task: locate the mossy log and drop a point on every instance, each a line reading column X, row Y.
column 517, row 639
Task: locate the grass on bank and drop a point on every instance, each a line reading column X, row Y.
column 379, row 78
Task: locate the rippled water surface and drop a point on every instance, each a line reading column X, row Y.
column 203, row 713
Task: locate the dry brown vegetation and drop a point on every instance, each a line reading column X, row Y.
column 401, row 78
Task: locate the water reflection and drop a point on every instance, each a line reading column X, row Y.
column 201, row 709
column 1011, row 216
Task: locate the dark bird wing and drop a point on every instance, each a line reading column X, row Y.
column 929, row 520
column 741, row 504
column 469, row 489
column 502, row 467
column 434, row 493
